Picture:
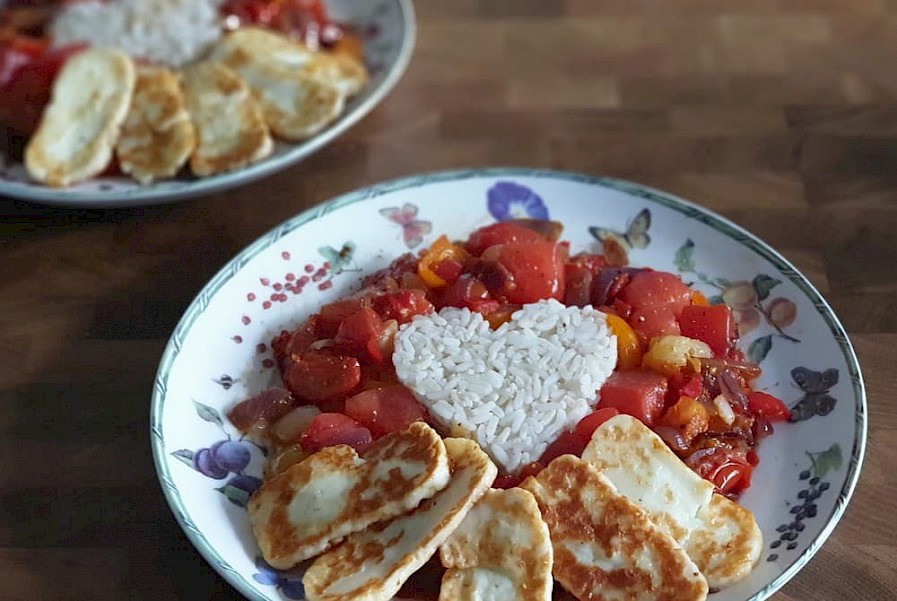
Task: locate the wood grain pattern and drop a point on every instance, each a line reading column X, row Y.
column 779, row 114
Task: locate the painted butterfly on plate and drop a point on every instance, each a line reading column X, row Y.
column 338, row 259
column 413, row 229
column 816, row 386
column 635, row 236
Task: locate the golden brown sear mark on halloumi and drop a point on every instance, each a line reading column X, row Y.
column 347, row 74
column 335, row 492
column 230, row 128
column 78, row 130
column 295, row 105
column 157, row 136
column 502, row 550
column 605, row 547
column 728, row 544
column 373, row 564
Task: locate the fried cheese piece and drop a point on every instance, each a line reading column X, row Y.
column 230, row 129
column 502, row 550
column 78, row 130
column 341, row 71
column 648, row 473
column 727, row 546
column 372, row 565
column 605, row 547
column 318, row 502
column 157, row 136
column 295, row 105
column 721, row 537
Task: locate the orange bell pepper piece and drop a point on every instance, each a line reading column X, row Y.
column 440, row 250
column 629, row 348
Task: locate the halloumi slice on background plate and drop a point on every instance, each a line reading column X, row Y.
column 157, row 137
column 606, row 548
column 335, row 492
column 372, row 565
column 502, row 550
column 295, row 105
column 720, row 536
column 78, row 130
column 230, row 128
column 346, row 74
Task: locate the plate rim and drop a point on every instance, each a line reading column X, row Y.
column 240, row 177
column 687, row 208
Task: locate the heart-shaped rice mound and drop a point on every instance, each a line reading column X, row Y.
column 515, row 388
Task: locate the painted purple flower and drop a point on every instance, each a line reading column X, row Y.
column 291, row 586
column 507, row 200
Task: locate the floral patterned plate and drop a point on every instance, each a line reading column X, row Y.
column 387, row 28
column 219, row 353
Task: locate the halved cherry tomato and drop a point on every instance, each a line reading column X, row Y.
column 330, row 429
column 770, row 407
column 316, row 376
column 503, row 232
column 269, row 405
column 537, row 269
column 587, row 425
column 333, row 314
column 385, row 410
column 568, row 443
column 657, row 298
column 360, row 333
column 712, row 324
column 401, row 305
column 732, row 476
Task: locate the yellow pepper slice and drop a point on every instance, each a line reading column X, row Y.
column 699, row 299
column 440, row 250
column 629, row 349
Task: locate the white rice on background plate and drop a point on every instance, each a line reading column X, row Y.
column 169, row 32
column 515, row 388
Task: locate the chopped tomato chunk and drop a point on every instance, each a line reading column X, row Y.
column 330, row 429
column 269, row 405
column 316, row 376
column 712, row 324
column 503, row 232
column 401, row 305
column 385, row 410
column 359, row 334
column 640, row 394
column 657, row 298
column 537, row 269
column 770, row 407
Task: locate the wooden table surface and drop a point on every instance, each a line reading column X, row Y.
column 779, row 114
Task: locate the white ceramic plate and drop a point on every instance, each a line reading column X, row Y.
column 387, row 28
column 218, row 355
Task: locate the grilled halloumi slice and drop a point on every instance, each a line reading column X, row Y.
column 727, row 546
column 502, row 550
column 78, row 129
column 230, row 129
column 606, row 547
column 335, row 492
column 267, row 47
column 721, row 537
column 643, row 468
column 295, row 105
column 157, row 137
column 372, row 565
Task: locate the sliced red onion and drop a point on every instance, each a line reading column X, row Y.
column 698, row 456
column 672, row 437
column 731, row 389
